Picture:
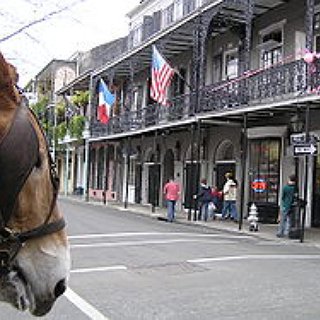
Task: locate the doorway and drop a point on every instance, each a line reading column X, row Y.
column 224, row 162
column 192, row 183
column 168, row 166
column 138, row 183
column 221, row 169
column 154, row 184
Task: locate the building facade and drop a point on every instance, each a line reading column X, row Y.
column 244, row 98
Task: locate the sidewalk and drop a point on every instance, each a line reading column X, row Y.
column 266, row 231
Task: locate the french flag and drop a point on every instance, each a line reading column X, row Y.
column 106, row 100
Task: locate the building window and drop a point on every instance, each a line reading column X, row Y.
column 132, row 172
column 271, row 45
column 168, row 16
column 264, row 170
column 178, row 9
column 316, row 25
column 231, row 64
column 136, row 36
column 317, row 32
column 137, row 98
column 188, row 6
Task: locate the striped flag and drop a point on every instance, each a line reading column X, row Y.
column 106, row 100
column 161, row 75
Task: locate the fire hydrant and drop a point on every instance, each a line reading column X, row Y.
column 253, row 218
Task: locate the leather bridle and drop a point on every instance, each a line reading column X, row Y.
column 15, row 168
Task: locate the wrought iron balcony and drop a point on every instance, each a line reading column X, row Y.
column 277, row 83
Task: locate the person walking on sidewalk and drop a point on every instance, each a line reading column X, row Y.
column 171, row 191
column 288, row 197
column 204, row 197
column 229, row 198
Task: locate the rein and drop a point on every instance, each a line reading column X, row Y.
column 10, row 187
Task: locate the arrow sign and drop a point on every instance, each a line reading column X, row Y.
column 305, row 149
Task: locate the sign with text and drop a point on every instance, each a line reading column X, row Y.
column 305, row 149
column 259, row 185
column 298, row 138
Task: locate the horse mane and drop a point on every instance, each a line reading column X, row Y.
column 10, row 98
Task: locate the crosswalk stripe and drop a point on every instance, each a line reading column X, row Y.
column 99, row 269
column 84, row 306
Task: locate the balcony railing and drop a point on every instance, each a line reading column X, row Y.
column 278, row 83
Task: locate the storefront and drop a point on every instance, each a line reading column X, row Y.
column 264, row 177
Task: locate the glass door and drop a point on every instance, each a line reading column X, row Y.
column 264, row 171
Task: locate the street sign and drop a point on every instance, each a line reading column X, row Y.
column 301, row 138
column 305, row 149
column 298, row 138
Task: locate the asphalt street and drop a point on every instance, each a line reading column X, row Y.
column 126, row 266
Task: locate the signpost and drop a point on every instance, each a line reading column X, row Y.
column 305, row 149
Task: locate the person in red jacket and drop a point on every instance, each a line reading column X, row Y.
column 171, row 191
column 217, row 199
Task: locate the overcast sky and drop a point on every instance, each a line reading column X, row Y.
column 80, row 26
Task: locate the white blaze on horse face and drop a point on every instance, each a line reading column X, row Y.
column 44, row 263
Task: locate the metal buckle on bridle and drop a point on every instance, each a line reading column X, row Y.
column 9, row 247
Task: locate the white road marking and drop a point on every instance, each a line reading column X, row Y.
column 113, row 235
column 99, row 269
column 256, row 257
column 136, row 234
column 84, row 306
column 144, row 243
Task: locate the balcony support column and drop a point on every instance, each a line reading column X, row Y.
column 309, row 26
column 243, row 150
column 198, row 174
column 106, row 177
column 129, row 96
column 309, row 22
column 92, row 99
column 156, row 161
column 248, row 35
column 191, row 185
column 127, row 172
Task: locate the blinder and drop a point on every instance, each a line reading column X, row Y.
column 19, row 154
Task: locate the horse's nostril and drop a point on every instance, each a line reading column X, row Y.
column 60, row 288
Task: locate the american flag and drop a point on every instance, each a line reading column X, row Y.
column 161, row 75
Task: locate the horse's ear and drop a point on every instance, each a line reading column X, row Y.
column 8, row 79
column 4, row 71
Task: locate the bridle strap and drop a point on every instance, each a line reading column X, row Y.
column 11, row 243
column 18, row 156
column 43, row 230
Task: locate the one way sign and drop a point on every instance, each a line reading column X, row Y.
column 305, row 149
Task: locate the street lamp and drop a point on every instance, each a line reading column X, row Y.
column 67, row 140
column 86, row 173
column 297, row 136
column 296, row 123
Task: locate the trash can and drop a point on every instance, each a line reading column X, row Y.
column 267, row 211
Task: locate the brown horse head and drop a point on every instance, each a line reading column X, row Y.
column 34, row 251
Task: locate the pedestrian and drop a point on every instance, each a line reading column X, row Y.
column 171, row 191
column 217, row 198
column 229, row 198
column 204, row 197
column 289, row 193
